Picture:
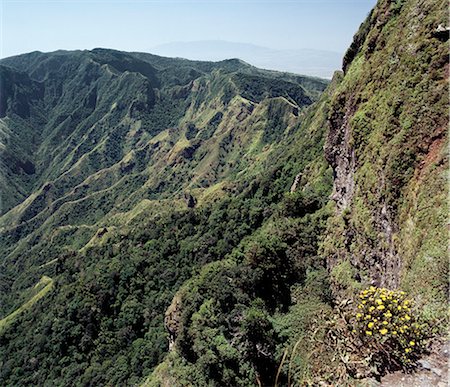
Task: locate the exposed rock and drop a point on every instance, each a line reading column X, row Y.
column 172, row 320
column 425, row 364
column 432, row 370
column 296, row 182
column 339, row 153
column 381, row 262
column 391, row 262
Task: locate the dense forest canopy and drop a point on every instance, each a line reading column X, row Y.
column 173, row 222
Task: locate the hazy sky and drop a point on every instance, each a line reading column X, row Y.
column 139, row 25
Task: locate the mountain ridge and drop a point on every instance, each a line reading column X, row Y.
column 310, row 62
column 216, row 224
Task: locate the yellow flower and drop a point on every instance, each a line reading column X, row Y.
column 380, row 307
column 383, row 331
column 372, row 288
column 388, row 314
column 399, row 307
column 371, row 308
column 407, row 350
column 370, row 325
column 378, row 301
column 368, row 333
column 358, row 315
column 385, row 323
column 412, row 343
column 407, row 318
column 394, row 332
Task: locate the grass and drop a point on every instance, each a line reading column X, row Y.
column 395, row 102
column 44, row 285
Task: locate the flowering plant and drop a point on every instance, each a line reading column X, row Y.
column 386, row 324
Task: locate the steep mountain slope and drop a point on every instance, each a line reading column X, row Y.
column 230, row 323
column 145, row 168
column 108, row 131
column 387, row 145
column 17, row 168
column 228, row 213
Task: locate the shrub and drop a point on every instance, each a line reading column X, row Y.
column 388, row 327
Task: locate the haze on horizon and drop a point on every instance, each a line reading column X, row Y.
column 144, row 25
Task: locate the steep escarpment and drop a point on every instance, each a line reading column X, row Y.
column 172, row 222
column 146, row 170
column 387, row 146
column 230, row 323
column 386, row 142
column 19, row 95
column 108, row 131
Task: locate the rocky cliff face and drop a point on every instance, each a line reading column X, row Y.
column 172, row 320
column 387, row 146
column 136, row 180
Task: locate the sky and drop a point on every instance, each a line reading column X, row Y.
column 139, row 25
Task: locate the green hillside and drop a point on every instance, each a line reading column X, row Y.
column 167, row 222
column 110, row 133
column 154, row 165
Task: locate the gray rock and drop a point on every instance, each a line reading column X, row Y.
column 436, row 371
column 425, row 364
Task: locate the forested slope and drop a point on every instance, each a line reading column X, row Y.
column 145, row 170
column 172, row 222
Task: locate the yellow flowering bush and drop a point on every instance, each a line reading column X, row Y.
column 387, row 326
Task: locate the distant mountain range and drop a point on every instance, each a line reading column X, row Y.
column 311, row 62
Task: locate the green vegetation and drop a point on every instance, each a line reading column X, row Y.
column 39, row 290
column 110, row 222
column 232, row 212
column 388, row 120
column 388, row 328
